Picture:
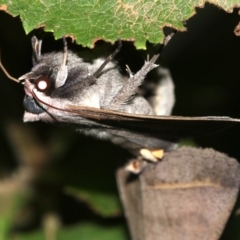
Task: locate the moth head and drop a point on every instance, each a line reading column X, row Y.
column 60, row 79
column 50, row 77
column 38, row 80
column 44, row 77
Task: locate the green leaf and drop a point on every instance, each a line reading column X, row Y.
column 106, row 204
column 11, row 199
column 93, row 232
column 81, row 231
column 89, row 20
column 37, row 235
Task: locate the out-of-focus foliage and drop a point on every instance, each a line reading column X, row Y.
column 82, row 231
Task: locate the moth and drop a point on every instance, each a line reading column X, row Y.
column 62, row 87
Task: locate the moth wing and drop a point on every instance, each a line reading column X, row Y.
column 165, row 127
column 161, row 97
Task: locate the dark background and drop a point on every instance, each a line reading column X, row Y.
column 204, row 62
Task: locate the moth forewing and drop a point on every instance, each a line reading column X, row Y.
column 165, row 127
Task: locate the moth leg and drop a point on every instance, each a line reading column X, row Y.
column 108, row 59
column 134, row 81
column 168, row 38
column 36, row 46
column 129, row 71
column 63, row 70
column 65, row 51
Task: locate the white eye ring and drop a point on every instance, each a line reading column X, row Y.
column 42, row 83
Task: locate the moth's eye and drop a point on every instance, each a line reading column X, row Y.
column 42, row 83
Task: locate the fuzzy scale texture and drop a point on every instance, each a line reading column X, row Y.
column 111, row 90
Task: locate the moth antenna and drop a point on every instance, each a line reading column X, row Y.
column 39, row 100
column 165, row 42
column 6, row 72
column 54, row 107
column 47, row 104
column 108, row 59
